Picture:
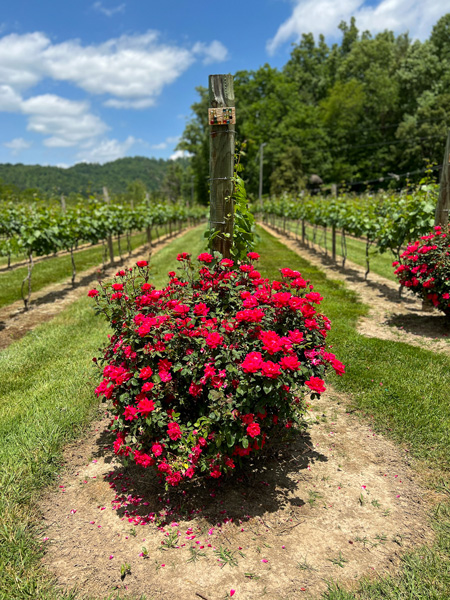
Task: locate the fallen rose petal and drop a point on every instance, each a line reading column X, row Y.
column 264, row 560
column 111, row 556
column 232, row 592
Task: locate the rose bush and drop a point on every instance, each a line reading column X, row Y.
column 424, row 268
column 208, row 370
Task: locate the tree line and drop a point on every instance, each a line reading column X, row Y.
column 368, row 107
column 165, row 179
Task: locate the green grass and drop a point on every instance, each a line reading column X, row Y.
column 46, row 398
column 412, row 407
column 59, row 268
column 381, row 264
column 39, row 414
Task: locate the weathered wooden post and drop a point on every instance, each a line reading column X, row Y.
column 222, row 119
column 333, row 228
column 110, row 240
column 443, row 205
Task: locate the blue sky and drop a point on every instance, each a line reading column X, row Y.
column 97, row 80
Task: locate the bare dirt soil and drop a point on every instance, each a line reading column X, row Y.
column 391, row 317
column 15, row 322
column 341, row 504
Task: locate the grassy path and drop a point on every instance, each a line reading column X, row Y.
column 47, row 398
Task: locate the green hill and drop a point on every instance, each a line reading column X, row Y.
column 85, row 178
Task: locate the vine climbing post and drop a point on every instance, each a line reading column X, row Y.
column 443, row 205
column 222, row 119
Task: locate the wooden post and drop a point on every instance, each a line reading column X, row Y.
column 63, row 203
column 443, row 205
column 109, row 239
column 333, row 242
column 221, row 165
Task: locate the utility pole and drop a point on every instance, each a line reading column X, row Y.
column 443, row 205
column 261, row 158
column 222, row 119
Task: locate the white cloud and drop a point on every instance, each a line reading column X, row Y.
column 65, row 122
column 324, row 16
column 169, row 141
column 214, row 52
column 180, row 154
column 109, row 12
column 136, row 104
column 21, row 64
column 106, row 150
column 161, row 146
column 131, row 70
column 17, row 145
column 10, row 101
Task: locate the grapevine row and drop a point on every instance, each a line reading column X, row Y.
column 43, row 230
column 384, row 221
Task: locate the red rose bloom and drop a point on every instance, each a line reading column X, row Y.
column 252, row 362
column 214, row 339
column 142, row 263
column 290, row 362
column 227, row 262
column 157, row 449
column 270, row 369
column 92, row 293
column 205, row 257
column 201, row 310
column 145, row 407
column 146, row 372
column 130, row 413
column 253, row 430
column 174, row 431
column 316, row 384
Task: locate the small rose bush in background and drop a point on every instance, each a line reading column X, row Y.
column 210, row 369
column 424, row 268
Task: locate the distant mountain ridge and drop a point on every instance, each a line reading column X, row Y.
column 85, row 178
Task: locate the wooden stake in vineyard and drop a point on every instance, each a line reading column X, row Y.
column 222, row 119
column 443, row 205
column 110, row 240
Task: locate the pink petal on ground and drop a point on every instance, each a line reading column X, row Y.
column 264, row 560
column 232, row 592
column 111, row 556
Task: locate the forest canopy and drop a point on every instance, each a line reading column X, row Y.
column 369, row 107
